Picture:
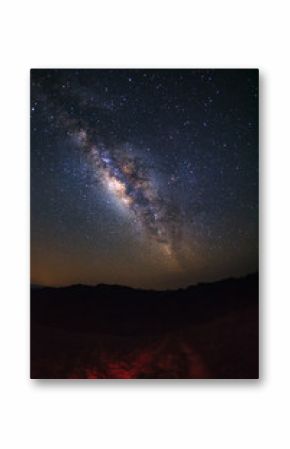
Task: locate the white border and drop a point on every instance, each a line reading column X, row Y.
column 159, row 414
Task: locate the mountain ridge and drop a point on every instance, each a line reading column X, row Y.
column 254, row 275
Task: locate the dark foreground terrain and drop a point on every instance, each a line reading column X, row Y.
column 206, row 331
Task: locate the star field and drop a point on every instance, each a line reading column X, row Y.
column 147, row 178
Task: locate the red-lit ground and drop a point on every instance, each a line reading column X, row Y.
column 226, row 347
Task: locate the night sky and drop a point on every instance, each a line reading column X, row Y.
column 146, row 178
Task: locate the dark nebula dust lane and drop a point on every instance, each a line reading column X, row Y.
column 127, row 178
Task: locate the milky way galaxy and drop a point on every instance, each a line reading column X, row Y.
column 146, row 178
column 128, row 180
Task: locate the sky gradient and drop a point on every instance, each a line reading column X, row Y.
column 146, row 178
